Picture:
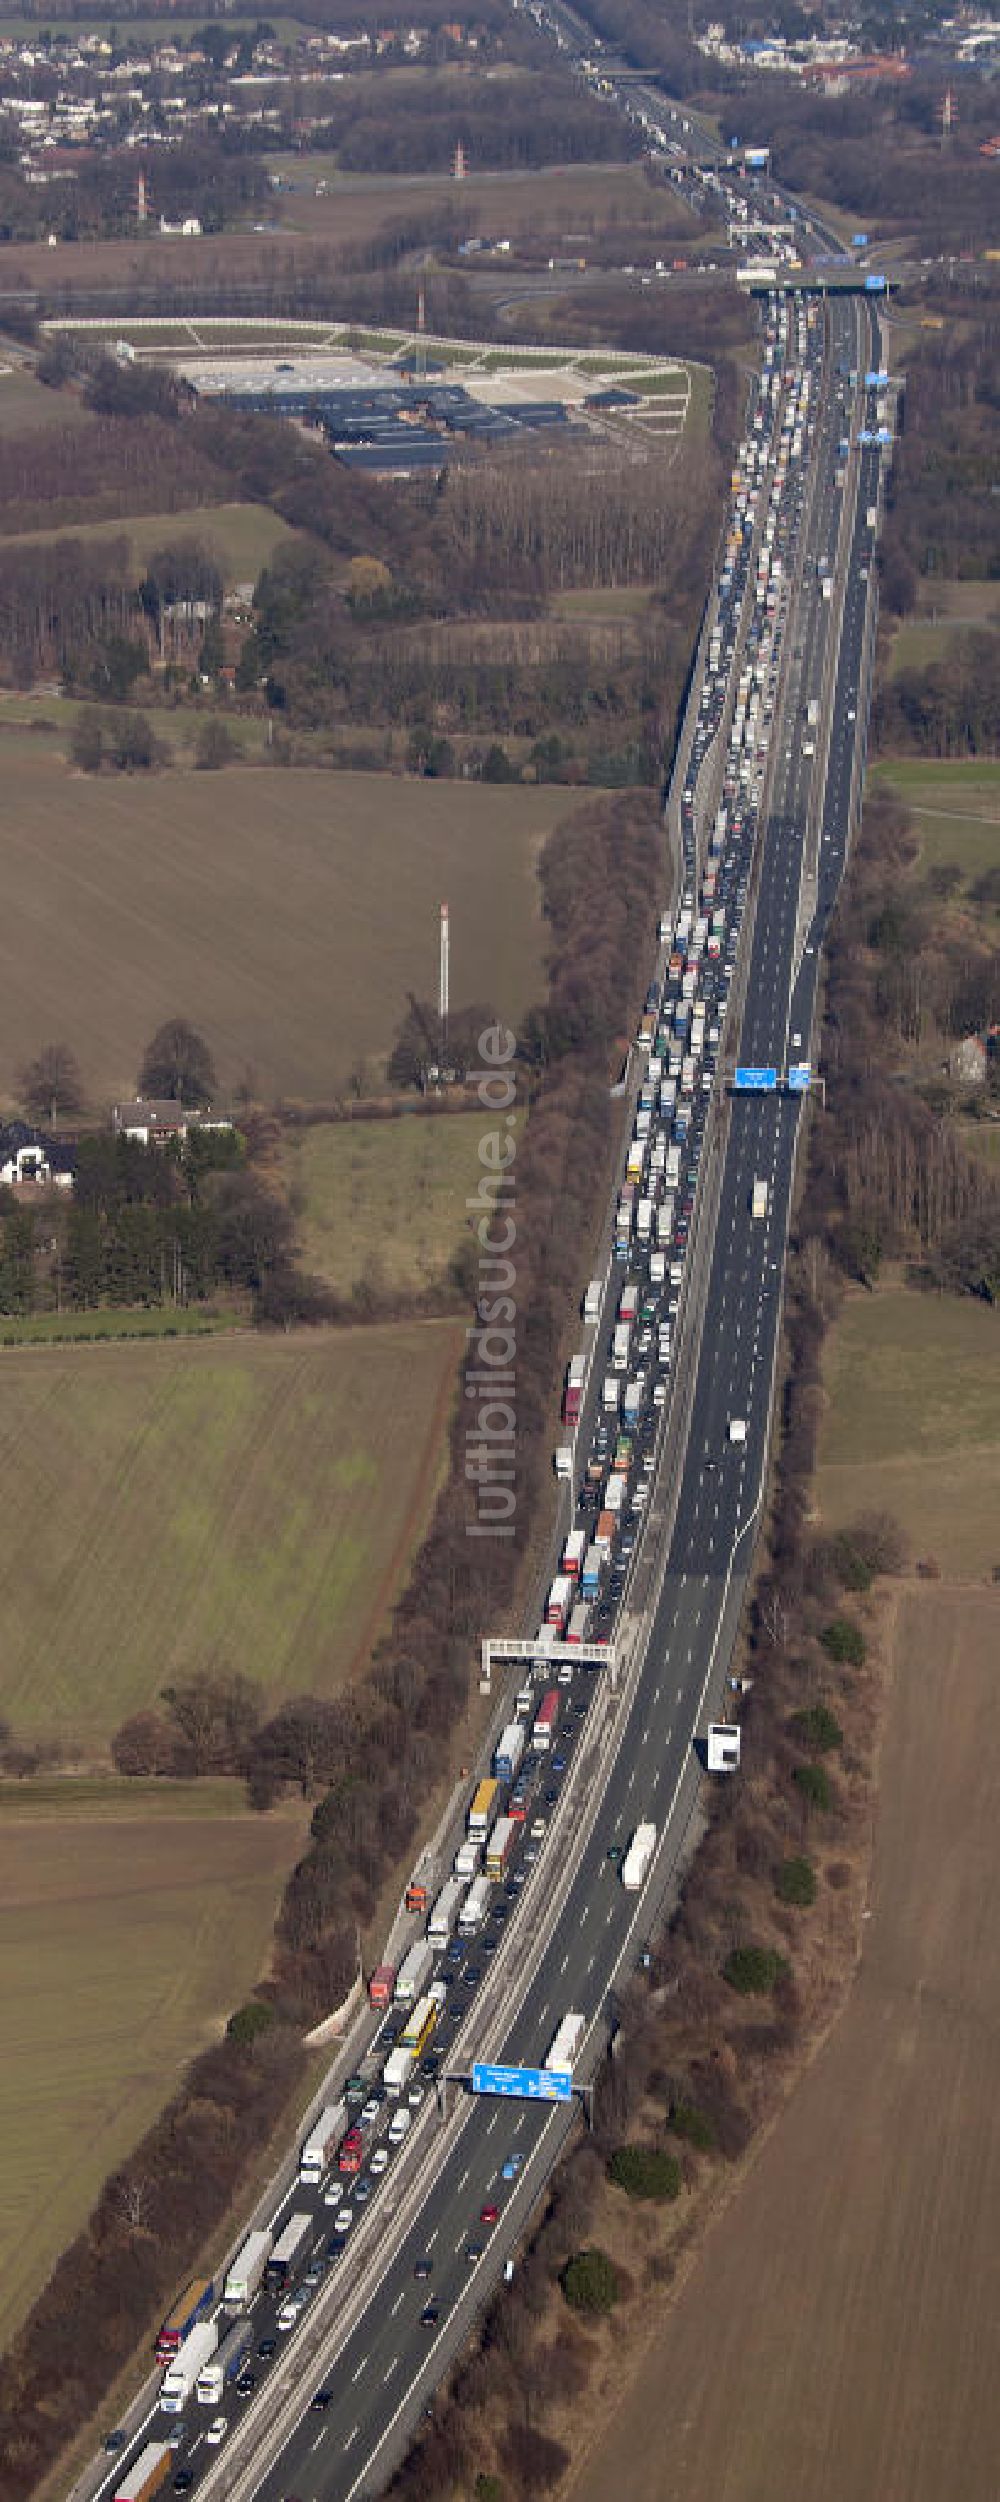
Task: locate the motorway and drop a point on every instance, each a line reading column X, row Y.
column 381, row 2372
column 396, row 2302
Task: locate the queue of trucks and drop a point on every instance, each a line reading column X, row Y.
column 680, row 1030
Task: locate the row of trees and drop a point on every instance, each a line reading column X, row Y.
column 890, row 1177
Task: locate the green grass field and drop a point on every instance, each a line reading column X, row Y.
column 286, row 914
column 241, row 537
column 125, row 1941
column 384, row 1200
column 246, row 1503
column 25, row 404
column 913, row 1423
column 955, row 809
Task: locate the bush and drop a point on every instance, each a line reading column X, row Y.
column 753, row 1970
column 818, row 1729
column 844, row 1641
column 645, row 2172
column 247, row 2024
column 795, row 1882
column 814, row 1785
column 589, row 2282
column 850, row 1565
column 686, row 2121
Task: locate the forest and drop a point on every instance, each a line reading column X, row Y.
column 942, row 515
column 417, row 132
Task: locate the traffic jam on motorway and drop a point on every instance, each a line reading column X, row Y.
column 220, row 2342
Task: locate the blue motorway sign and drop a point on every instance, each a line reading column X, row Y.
column 755, row 1081
column 799, row 1077
column 874, row 286
column 523, row 2084
column 876, row 381
column 866, row 435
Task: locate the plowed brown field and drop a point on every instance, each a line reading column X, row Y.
column 836, row 2341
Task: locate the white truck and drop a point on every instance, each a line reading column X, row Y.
column 397, row 2070
column 475, row 1907
column 466, row 1860
column 225, row 2363
column 445, row 1912
column 566, row 2042
column 316, row 2155
column 638, row 1858
column 181, row 2376
column 414, row 1973
column 512, row 1740
column 758, row 1202
column 247, row 2272
column 592, row 1301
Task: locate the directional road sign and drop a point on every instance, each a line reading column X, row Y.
column 799, row 1078
column 523, row 2084
column 755, row 1081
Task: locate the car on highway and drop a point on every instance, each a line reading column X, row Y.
column 217, row 2431
column 343, row 2219
column 321, row 2399
column 362, row 2190
column 511, row 2168
column 289, row 2314
column 380, row 2161
column 183, row 2481
column 114, row 2441
column 336, row 2245
column 430, row 2315
column 489, row 2214
column 473, row 2251
column 423, row 2269
column 371, row 2111
column 245, row 2384
column 471, row 1976
column 267, row 2347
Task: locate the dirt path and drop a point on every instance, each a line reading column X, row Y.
column 835, row 2341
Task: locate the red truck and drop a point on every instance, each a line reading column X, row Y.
column 573, row 1393
column 382, row 1985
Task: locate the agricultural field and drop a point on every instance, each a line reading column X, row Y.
column 835, row 2338
column 285, row 914
column 955, row 810
column 355, row 209
column 241, row 537
column 130, row 1926
column 384, row 1201
column 242, row 1503
column 913, row 1423
column 25, row 404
